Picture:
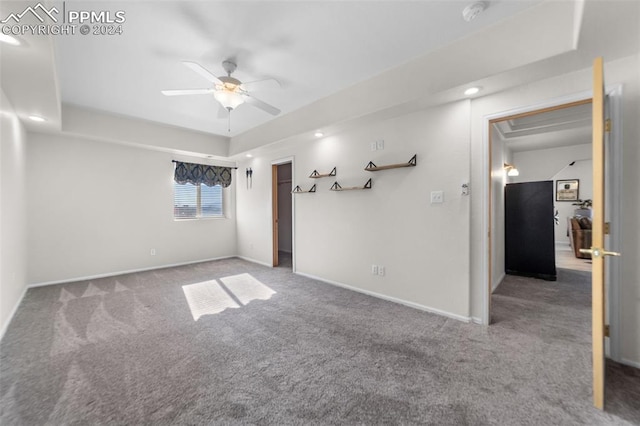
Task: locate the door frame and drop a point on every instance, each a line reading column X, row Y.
column 274, row 211
column 614, row 185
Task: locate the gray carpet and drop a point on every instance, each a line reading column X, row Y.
column 270, row 347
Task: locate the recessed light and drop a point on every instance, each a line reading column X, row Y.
column 471, row 91
column 5, row 38
column 36, row 118
column 318, row 134
column 249, row 155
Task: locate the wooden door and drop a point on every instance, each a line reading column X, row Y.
column 598, row 253
column 274, row 212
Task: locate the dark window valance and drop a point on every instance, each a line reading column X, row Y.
column 202, row 174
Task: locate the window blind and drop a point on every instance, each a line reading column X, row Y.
column 185, row 201
column 211, row 200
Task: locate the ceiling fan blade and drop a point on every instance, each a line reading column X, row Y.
column 187, row 92
column 268, row 83
column 259, row 104
column 202, row 71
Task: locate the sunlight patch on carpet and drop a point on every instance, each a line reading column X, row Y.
column 246, row 288
column 212, row 297
column 207, row 298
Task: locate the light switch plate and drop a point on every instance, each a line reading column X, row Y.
column 380, row 144
column 437, row 197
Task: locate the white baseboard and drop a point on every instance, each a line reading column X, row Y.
column 476, row 320
column 248, row 259
column 630, row 363
column 389, row 298
column 5, row 326
column 498, row 281
column 131, row 271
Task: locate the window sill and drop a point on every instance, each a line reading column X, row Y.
column 198, row 219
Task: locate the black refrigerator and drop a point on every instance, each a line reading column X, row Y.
column 529, row 230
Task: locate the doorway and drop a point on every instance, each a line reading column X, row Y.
column 497, row 177
column 553, row 148
column 282, row 213
column 609, row 168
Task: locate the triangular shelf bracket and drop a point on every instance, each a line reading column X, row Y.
column 371, row 167
column 316, row 175
column 298, row 190
column 336, row 187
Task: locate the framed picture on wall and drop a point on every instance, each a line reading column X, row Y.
column 567, row 190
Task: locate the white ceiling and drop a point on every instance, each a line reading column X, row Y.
column 563, row 127
column 341, row 64
column 314, row 48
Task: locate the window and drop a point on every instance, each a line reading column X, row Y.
column 197, row 190
column 196, row 201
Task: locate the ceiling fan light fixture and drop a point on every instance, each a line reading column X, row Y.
column 228, row 99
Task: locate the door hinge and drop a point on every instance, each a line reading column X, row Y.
column 606, row 330
column 607, row 228
column 607, row 125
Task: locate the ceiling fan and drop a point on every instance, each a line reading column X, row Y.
column 229, row 91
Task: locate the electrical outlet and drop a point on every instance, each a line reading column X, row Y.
column 380, row 144
column 381, row 270
column 437, row 197
column 374, row 146
column 153, row 252
column 374, row 269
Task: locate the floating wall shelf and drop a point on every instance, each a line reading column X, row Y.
column 298, row 190
column 316, row 175
column 373, row 168
column 336, row 187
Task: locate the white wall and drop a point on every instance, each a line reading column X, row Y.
column 623, row 71
column 339, row 235
column 98, row 208
column 13, row 225
column 544, row 164
column 141, row 133
column 500, row 155
column 583, row 171
column 553, row 164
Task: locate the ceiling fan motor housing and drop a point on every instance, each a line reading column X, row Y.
column 229, row 66
column 230, row 83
